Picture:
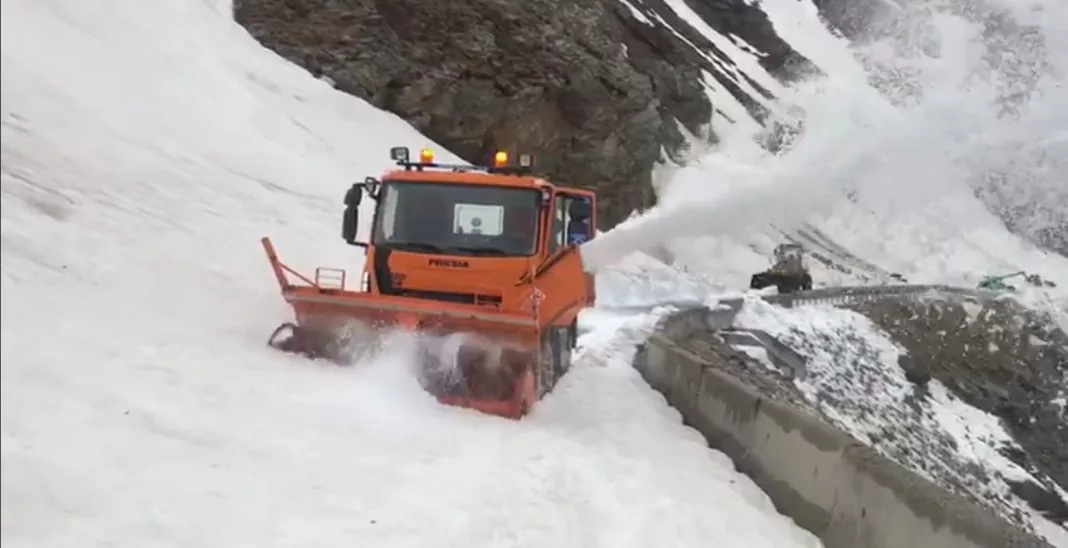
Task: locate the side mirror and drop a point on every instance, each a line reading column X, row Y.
column 580, row 210
column 354, row 195
column 351, row 216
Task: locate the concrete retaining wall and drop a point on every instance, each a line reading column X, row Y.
column 828, row 482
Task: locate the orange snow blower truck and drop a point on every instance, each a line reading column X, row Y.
column 481, row 263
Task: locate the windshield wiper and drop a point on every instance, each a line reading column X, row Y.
column 416, row 246
column 495, row 251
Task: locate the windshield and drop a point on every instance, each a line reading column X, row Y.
column 458, row 219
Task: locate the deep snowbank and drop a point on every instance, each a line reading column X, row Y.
column 144, row 153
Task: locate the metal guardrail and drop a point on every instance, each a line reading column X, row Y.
column 847, row 295
column 832, row 295
column 783, row 357
column 869, row 293
column 693, row 316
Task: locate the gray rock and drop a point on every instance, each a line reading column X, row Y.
column 593, row 92
column 1001, row 358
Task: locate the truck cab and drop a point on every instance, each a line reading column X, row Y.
column 466, row 234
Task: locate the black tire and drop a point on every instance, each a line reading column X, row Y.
column 547, row 364
column 563, row 351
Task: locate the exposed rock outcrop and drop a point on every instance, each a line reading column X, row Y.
column 597, row 89
column 998, row 357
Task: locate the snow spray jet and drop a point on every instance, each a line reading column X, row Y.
column 785, row 191
column 888, row 152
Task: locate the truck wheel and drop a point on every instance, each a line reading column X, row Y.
column 563, row 347
column 547, row 360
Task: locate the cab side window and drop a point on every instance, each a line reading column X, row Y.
column 566, row 226
column 579, row 225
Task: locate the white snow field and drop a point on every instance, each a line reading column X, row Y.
column 146, row 148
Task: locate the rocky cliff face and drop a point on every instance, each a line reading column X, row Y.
column 1002, row 359
column 596, row 89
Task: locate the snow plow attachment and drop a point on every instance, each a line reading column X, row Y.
column 489, row 356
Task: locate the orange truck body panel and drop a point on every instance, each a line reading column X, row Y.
column 515, row 301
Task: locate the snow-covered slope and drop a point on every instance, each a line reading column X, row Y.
column 890, row 181
column 146, row 148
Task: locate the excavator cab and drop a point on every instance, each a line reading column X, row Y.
column 788, row 273
column 484, row 255
column 790, row 258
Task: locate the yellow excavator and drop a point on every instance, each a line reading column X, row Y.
column 789, row 272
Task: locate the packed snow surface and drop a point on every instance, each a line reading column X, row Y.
column 146, row 148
